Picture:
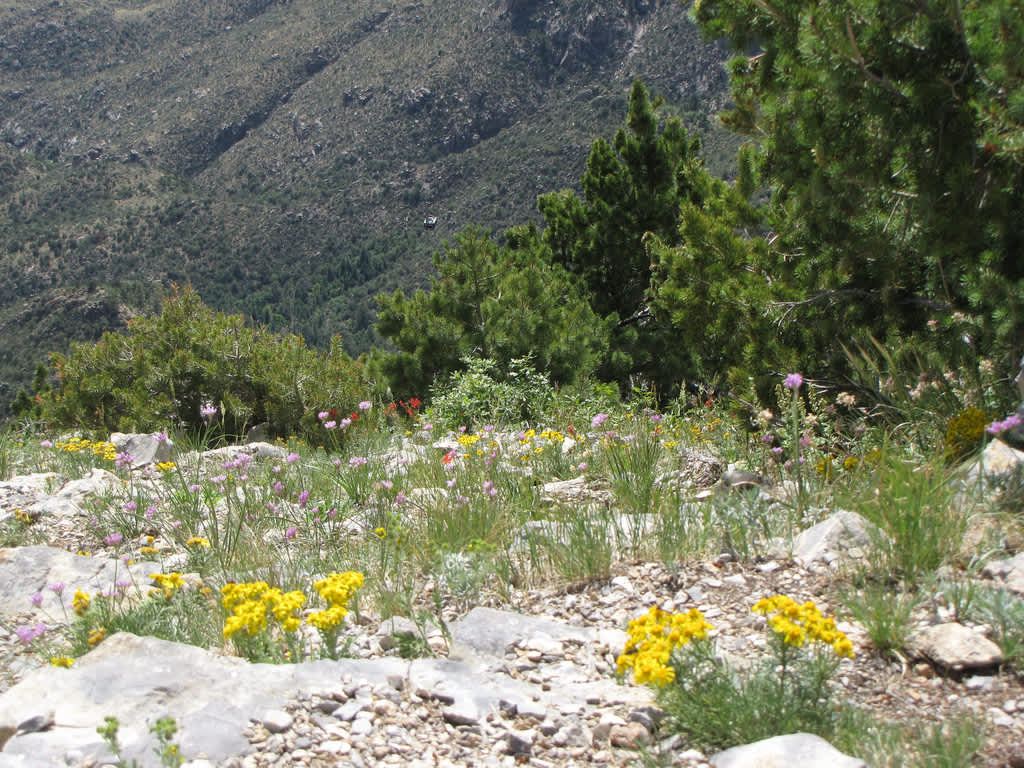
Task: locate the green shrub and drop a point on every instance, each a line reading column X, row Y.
column 203, row 372
column 482, row 395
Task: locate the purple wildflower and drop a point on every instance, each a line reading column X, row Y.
column 598, row 420
column 793, row 381
column 998, row 427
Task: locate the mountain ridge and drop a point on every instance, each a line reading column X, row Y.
column 281, row 157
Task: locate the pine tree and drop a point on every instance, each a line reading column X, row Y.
column 490, row 302
column 892, row 137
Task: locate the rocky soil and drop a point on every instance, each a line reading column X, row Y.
column 525, row 680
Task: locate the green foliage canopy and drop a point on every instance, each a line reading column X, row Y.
column 493, row 302
column 166, row 368
column 891, row 135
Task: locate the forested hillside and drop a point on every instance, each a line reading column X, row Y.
column 282, row 157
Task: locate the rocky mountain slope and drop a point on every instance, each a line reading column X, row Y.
column 282, row 156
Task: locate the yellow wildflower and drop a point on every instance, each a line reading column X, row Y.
column 80, row 602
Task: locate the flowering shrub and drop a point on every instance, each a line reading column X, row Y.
column 259, row 616
column 715, row 706
column 652, row 639
column 336, row 590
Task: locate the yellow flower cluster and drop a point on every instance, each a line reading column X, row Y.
column 168, row 582
column 97, row 636
column 80, row 602
column 468, row 439
column 336, row 590
column 249, row 604
column 197, row 541
column 62, row 661
column 165, row 466
column 653, row 637
column 552, row 436
column 798, row 624
column 99, row 448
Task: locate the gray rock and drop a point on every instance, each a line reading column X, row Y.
column 629, row 736
column 144, row 449
column 462, row 712
column 574, row 734
column 1009, row 570
column 996, row 461
column 843, row 534
column 277, row 721
column 520, row 742
column 799, row 749
column 955, row 647
column 98, row 482
column 362, row 726
column 136, row 679
column 27, row 571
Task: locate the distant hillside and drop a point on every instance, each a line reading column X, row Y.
column 281, row 156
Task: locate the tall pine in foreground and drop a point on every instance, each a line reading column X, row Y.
column 891, row 134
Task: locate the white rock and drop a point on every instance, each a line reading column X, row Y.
column 277, row 721
column 799, row 749
column 954, row 646
column 844, row 533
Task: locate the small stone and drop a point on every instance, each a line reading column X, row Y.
column 520, row 742
column 362, row 726
column 335, row 747
column 798, row 749
column 999, row 718
column 327, row 706
column 277, row 721
column 955, row 647
column 575, row 734
column 623, row 583
column 978, row 683
column 532, row 709
column 384, row 707
column 348, row 711
column 629, row 736
column 461, row 713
